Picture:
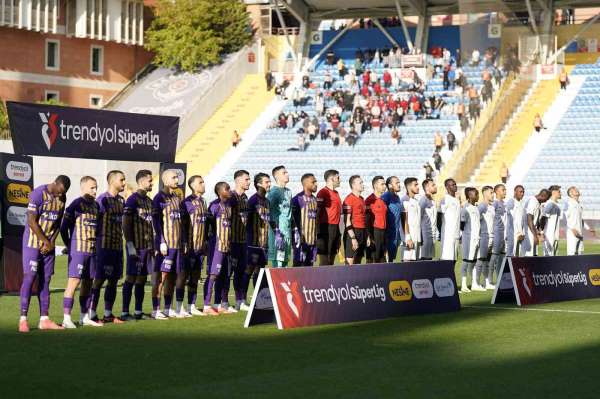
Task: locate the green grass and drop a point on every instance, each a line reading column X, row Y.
column 478, row 352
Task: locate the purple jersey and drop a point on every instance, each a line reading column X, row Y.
column 304, row 215
column 197, row 210
column 139, row 208
column 258, row 222
column 239, row 217
column 81, row 222
column 222, row 215
column 48, row 211
column 110, row 221
column 166, row 217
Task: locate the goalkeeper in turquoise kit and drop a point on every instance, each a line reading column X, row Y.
column 280, row 233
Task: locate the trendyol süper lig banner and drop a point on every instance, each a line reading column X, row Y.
column 58, row 131
column 306, row 296
column 543, row 279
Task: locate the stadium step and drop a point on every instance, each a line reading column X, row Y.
column 206, row 147
column 510, row 144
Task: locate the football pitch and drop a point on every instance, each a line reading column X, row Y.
column 483, row 351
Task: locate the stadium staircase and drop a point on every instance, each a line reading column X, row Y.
column 212, row 141
column 374, row 153
column 570, row 156
column 516, row 133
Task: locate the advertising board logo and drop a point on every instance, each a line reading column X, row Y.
column 444, row 287
column 49, row 122
column 594, row 275
column 19, row 171
column 290, row 298
column 16, row 215
column 17, row 193
column 400, row 290
column 422, row 288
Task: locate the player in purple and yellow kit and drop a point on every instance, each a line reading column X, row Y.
column 257, row 232
column 78, row 231
column 197, row 212
column 304, row 221
column 44, row 216
column 170, row 241
column 219, row 249
column 139, row 244
column 239, row 221
column 109, row 253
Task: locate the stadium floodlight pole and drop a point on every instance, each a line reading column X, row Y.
column 574, row 38
column 327, row 46
column 403, row 24
column 385, row 32
column 275, row 4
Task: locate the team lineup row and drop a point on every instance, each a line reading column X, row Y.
column 169, row 237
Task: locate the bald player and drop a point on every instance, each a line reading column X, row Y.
column 44, row 216
column 531, row 216
column 428, row 219
column 170, row 241
column 450, row 210
column 139, row 245
column 280, row 234
column 412, row 220
column 515, row 229
column 109, row 256
column 550, row 221
column 78, row 231
column 304, row 222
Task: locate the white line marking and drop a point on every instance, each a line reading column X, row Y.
column 531, row 309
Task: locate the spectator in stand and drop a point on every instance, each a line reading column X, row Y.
column 341, row 66
column 451, row 140
column 330, row 58
column 458, row 59
column 396, row 136
column 475, row 57
column 438, row 141
column 327, row 81
column 437, row 160
column 305, row 81
column 504, row 173
column 358, row 66
column 269, row 80
column 387, row 79
column 446, row 77
column 235, row 139
column 474, row 104
column 537, row 123
column 563, row 79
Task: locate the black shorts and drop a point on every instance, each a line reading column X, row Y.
column 361, row 236
column 328, row 239
column 378, row 248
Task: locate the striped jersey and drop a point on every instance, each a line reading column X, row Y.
column 258, row 222
column 110, row 221
column 166, row 217
column 196, row 208
column 239, row 216
column 48, row 211
column 221, row 211
column 304, row 214
column 81, row 221
column 139, row 208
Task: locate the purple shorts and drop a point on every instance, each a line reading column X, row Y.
column 173, row 262
column 82, row 265
column 195, row 261
column 34, row 262
column 238, row 258
column 141, row 265
column 217, row 260
column 109, row 264
column 305, row 255
column 257, row 257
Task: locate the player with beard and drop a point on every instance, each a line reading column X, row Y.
column 428, row 219
column 304, row 221
column 450, row 210
column 376, row 222
column 531, row 219
column 330, row 211
column 412, row 220
column 515, row 229
column 486, row 211
column 394, row 229
column 499, row 241
column 280, row 200
column 355, row 235
column 239, row 221
column 470, row 223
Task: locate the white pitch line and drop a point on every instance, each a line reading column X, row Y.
column 531, row 309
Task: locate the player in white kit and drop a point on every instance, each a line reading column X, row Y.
column 531, row 219
column 450, row 210
column 486, row 212
column 550, row 222
column 412, row 220
column 499, row 241
column 428, row 219
column 470, row 226
column 575, row 223
column 515, row 228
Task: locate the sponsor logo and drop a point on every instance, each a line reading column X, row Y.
column 263, row 300
column 19, row 171
column 594, row 275
column 444, row 287
column 52, row 129
column 525, row 281
column 554, row 278
column 422, row 288
column 16, row 215
column 400, row 290
column 34, row 265
column 290, row 298
column 18, row 193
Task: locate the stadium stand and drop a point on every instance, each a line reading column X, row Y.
column 575, row 143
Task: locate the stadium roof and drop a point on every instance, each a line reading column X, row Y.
column 326, row 9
